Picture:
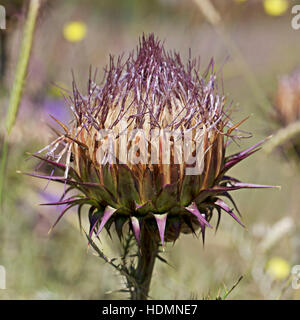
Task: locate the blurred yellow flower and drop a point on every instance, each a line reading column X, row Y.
column 276, row 7
column 75, row 31
column 278, row 268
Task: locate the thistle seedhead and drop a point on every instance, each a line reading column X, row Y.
column 287, row 103
column 148, row 146
column 287, row 108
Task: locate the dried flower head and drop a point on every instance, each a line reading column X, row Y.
column 147, row 147
column 287, row 108
column 288, row 98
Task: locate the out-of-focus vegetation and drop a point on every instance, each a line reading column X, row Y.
column 60, row 265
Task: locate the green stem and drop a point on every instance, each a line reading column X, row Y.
column 2, row 168
column 283, row 135
column 146, row 260
column 22, row 65
column 19, row 81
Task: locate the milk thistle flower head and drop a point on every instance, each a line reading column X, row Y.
column 147, row 148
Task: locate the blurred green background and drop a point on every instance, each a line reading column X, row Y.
column 60, row 265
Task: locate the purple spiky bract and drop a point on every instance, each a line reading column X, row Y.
column 161, row 220
column 136, row 228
